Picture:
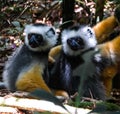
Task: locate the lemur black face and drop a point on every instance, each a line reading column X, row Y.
column 75, row 43
column 35, row 40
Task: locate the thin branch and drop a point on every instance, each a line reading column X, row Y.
column 9, row 110
column 23, row 12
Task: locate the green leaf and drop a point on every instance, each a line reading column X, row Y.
column 106, row 108
column 16, row 23
column 91, row 69
column 19, row 29
column 41, row 94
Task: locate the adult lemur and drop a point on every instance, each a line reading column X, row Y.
column 70, row 69
column 26, row 70
column 107, row 51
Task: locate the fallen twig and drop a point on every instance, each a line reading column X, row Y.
column 26, row 8
column 9, row 110
column 39, row 105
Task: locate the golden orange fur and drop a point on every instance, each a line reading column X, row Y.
column 110, row 50
column 104, row 28
column 32, row 80
column 55, row 51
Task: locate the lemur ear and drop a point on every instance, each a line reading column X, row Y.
column 51, row 32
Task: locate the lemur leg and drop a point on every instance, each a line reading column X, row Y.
column 61, row 93
column 107, row 77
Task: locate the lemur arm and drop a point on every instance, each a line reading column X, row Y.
column 54, row 52
column 104, row 28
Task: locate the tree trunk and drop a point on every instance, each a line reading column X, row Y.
column 67, row 12
column 99, row 10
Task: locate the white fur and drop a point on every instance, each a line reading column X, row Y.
column 7, row 65
column 89, row 40
column 50, row 39
column 112, row 54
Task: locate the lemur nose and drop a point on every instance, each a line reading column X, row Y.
column 76, row 43
column 35, row 40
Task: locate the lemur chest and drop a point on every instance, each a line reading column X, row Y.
column 32, row 78
column 32, row 71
